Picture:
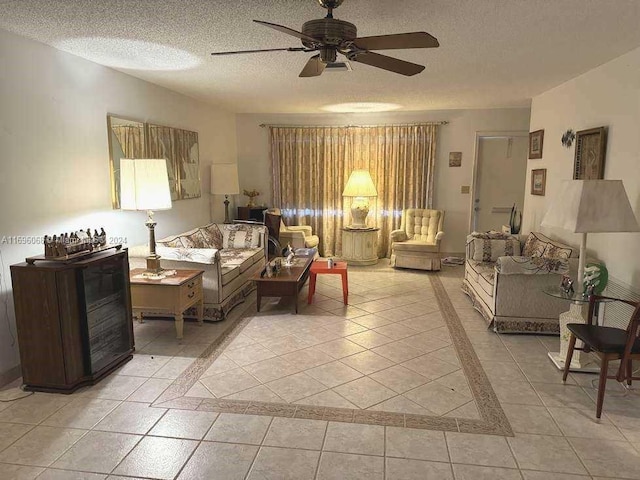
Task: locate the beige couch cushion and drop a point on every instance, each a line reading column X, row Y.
column 242, row 258
column 415, row 246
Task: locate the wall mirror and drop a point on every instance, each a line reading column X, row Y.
column 133, row 139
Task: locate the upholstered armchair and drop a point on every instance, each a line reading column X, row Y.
column 299, row 236
column 417, row 243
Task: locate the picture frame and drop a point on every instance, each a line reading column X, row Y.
column 538, row 181
column 536, row 140
column 591, row 147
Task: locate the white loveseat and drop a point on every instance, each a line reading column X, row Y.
column 505, row 276
column 229, row 254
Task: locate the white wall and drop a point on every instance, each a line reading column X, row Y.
column 54, row 163
column 457, row 136
column 606, row 96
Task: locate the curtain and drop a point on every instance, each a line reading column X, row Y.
column 311, row 166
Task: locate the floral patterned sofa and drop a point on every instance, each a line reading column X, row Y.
column 229, row 254
column 505, row 276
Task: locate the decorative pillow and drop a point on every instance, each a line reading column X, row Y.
column 531, row 266
column 554, row 252
column 239, row 236
column 212, row 235
column 193, row 240
column 491, row 235
column 534, row 246
column 488, row 250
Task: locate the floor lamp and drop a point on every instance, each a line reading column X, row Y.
column 587, row 206
column 224, row 181
column 144, row 185
column 359, row 186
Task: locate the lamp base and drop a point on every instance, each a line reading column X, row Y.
column 226, row 209
column 359, row 212
column 153, row 265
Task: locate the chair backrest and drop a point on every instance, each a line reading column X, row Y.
column 421, row 223
column 273, row 221
column 277, row 211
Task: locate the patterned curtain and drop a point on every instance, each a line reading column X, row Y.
column 311, row 166
column 162, row 145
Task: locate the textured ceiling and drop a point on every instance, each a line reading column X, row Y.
column 493, row 53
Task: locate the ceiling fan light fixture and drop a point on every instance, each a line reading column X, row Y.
column 361, row 107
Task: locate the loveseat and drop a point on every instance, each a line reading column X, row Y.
column 505, row 275
column 229, row 254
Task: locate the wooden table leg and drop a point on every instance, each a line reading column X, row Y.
column 312, row 287
column 345, row 288
column 258, row 300
column 179, row 326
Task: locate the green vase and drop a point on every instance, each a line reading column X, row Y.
column 595, row 274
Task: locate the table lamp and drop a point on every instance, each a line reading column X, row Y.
column 144, row 185
column 224, row 181
column 359, row 186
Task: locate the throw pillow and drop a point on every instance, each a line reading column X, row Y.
column 212, row 235
column 193, row 240
column 554, row 252
column 534, row 246
column 488, row 250
column 240, row 236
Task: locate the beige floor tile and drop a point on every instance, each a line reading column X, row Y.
column 371, row 320
column 328, row 398
column 333, row 374
column 369, row 339
column 52, row 474
column 397, row 352
column 579, row 423
column 19, row 472
column 308, row 358
column 340, row 466
column 477, row 449
column 240, row 341
column 395, row 331
column 399, row 379
column 345, row 328
column 296, row 433
column 271, row 369
column 430, row 367
column 149, row 458
column 163, row 346
column 519, row 393
column 235, row 428
column 288, row 344
column 285, row 464
column 41, row 446
column 403, row 469
column 457, row 381
column 99, row 452
column 150, row 390
column 131, row 417
column 115, row 387
column 354, row 438
column 543, row 373
column 473, row 472
column 220, row 365
column 367, row 362
column 468, row 410
column 198, row 390
column 569, row 396
column 219, row 461
column 260, row 393
column 229, row 382
column 531, row 475
column 10, row 432
column 142, row 365
column 365, row 392
column 530, row 419
column 608, row 458
column 251, row 354
column 400, row 404
column 34, row 408
column 82, row 412
column 184, row 424
column 503, row 371
column 295, row 387
column 416, row 444
column 437, row 398
column 542, row 452
column 340, row 348
column 174, row 368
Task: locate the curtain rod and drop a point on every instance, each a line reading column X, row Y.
column 263, row 125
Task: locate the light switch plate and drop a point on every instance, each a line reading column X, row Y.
column 465, row 189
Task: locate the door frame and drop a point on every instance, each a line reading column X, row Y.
column 474, row 173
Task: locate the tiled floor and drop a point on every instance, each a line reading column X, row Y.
column 112, row 431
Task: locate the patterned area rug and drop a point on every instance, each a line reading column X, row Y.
column 398, row 355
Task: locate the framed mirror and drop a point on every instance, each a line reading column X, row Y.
column 132, row 139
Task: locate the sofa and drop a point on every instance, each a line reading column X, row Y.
column 505, row 276
column 229, row 254
column 417, row 243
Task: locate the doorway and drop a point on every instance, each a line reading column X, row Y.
column 499, row 175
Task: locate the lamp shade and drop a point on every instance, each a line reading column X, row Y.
column 591, row 206
column 144, row 184
column 360, row 185
column 224, row 179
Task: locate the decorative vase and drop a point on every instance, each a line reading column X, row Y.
column 515, row 220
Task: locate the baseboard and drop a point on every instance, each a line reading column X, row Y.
column 10, row 375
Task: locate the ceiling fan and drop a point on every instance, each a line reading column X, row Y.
column 331, row 36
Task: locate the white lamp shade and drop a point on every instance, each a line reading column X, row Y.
column 224, row 179
column 591, row 206
column 144, row 184
column 360, row 184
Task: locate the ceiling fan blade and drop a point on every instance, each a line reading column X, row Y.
column 387, row 63
column 290, row 49
column 400, row 40
column 289, row 31
column 313, row 68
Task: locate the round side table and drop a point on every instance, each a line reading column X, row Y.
column 360, row 246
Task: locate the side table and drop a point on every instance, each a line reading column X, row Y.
column 339, row 268
column 360, row 246
column 173, row 295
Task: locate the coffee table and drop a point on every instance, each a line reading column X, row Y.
column 286, row 283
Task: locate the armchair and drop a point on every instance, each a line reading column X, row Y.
column 299, row 236
column 417, row 243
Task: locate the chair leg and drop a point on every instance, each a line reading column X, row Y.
column 567, row 361
column 629, row 371
column 602, row 384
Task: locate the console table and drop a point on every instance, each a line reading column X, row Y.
column 360, row 246
column 251, row 213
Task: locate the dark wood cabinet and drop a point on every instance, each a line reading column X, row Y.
column 251, row 213
column 73, row 320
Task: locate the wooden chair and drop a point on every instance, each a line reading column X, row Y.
column 608, row 343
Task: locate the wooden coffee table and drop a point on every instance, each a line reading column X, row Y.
column 287, row 283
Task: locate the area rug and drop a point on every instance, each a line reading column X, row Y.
column 232, row 376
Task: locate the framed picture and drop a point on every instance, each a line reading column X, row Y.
column 455, row 159
column 591, row 146
column 535, row 144
column 538, row 181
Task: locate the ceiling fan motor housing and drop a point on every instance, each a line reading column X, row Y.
column 329, row 31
